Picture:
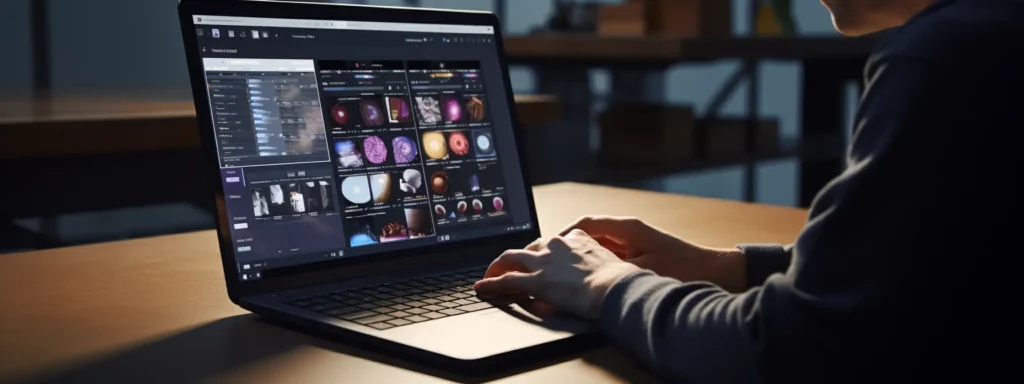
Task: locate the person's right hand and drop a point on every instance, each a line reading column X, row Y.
column 651, row 248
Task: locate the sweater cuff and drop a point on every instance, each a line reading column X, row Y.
column 764, row 260
column 618, row 297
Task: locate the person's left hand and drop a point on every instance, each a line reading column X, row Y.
column 570, row 273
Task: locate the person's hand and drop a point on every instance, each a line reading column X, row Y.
column 650, row 248
column 572, row 273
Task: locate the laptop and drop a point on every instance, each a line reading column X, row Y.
column 367, row 167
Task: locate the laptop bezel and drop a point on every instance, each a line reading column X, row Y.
column 476, row 250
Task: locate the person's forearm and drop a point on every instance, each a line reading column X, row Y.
column 694, row 332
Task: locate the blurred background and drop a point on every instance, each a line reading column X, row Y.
column 736, row 99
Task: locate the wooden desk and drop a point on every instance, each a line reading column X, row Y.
column 90, row 125
column 156, row 309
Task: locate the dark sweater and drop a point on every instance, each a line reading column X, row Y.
column 891, row 278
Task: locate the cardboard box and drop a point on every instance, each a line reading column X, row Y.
column 667, row 18
column 726, row 138
column 690, row 18
column 647, row 134
column 629, row 19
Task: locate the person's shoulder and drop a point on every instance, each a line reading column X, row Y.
column 959, row 33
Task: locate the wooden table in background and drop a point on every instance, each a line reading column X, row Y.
column 86, row 125
column 155, row 309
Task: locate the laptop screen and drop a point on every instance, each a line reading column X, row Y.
column 341, row 139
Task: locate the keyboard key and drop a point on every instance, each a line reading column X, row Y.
column 445, row 298
column 342, row 311
column 373, row 319
column 434, row 315
column 462, row 302
column 400, row 307
column 302, row 303
column 415, row 297
column 368, row 306
column 350, row 301
column 473, row 299
column 417, row 311
column 415, row 284
column 415, row 304
column 356, row 315
column 384, row 303
column 416, row 291
column 399, row 322
column 449, row 304
column 431, row 301
column 369, row 292
column 400, row 300
column 433, row 307
column 430, row 294
column 459, row 295
column 399, row 314
column 385, row 296
column 451, row 311
column 381, row 326
column 416, row 318
column 475, row 306
column 321, row 300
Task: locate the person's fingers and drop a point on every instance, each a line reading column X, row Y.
column 619, row 249
column 536, row 245
column 509, row 283
column 513, row 261
column 626, row 230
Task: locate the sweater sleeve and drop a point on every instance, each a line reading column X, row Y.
column 843, row 305
column 764, row 260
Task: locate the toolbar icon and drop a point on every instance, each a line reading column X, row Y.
column 255, row 34
column 216, row 33
column 231, row 33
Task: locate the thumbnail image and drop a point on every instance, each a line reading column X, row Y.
column 296, row 199
column 319, row 196
column 419, row 224
column 373, row 115
column 439, row 182
column 339, row 113
column 380, row 186
column 483, row 143
column 398, row 109
column 461, row 208
column 392, row 226
column 260, row 206
column 478, row 206
column 498, row 203
column 475, row 108
column 411, row 184
column 434, row 146
column 356, row 189
column 458, row 143
column 375, row 150
column 452, row 109
column 473, row 183
column 349, row 155
column 428, row 110
column 277, row 203
column 440, row 210
column 361, row 232
column 404, row 149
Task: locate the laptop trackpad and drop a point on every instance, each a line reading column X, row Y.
column 495, row 331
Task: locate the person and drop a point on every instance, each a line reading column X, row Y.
column 896, row 273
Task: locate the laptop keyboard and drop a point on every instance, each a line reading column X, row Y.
column 403, row 302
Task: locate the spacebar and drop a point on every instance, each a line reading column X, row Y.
column 475, row 306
